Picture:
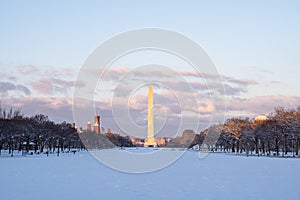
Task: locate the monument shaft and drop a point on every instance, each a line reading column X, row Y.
column 150, row 113
column 150, row 140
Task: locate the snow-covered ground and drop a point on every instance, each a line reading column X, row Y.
column 217, row 176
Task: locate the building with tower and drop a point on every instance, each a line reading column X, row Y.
column 97, row 124
column 89, row 127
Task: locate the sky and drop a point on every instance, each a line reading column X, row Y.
column 254, row 45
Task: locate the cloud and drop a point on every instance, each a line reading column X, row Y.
column 2, row 75
column 31, row 70
column 113, row 74
column 7, row 87
column 57, row 72
column 232, row 91
column 235, row 87
column 42, row 86
column 48, row 81
column 23, row 88
column 244, row 82
column 53, row 85
column 177, row 79
column 58, row 109
column 261, row 104
column 28, row 69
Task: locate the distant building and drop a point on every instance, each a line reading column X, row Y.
column 89, row 127
column 138, row 142
column 80, row 130
column 160, row 142
column 97, row 124
column 261, row 118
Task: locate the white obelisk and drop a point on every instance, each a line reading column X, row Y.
column 150, row 141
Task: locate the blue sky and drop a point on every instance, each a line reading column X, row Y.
column 254, row 41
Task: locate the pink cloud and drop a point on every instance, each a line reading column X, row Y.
column 51, row 85
column 58, row 109
column 261, row 104
column 28, row 69
column 42, row 86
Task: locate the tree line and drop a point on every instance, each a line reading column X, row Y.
column 38, row 134
column 278, row 135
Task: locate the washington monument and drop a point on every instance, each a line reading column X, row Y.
column 150, row 140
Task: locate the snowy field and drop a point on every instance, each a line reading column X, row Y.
column 217, row 176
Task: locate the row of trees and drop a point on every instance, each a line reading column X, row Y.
column 278, row 135
column 38, row 134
